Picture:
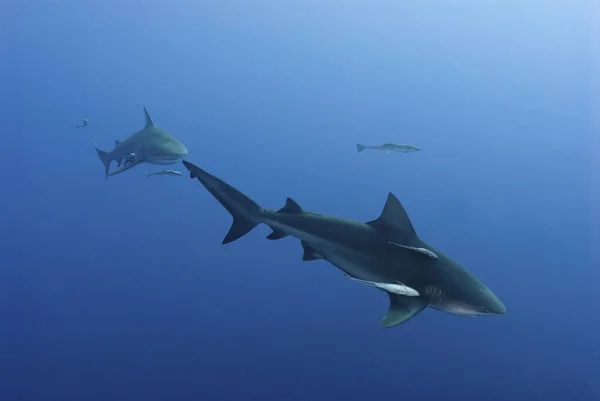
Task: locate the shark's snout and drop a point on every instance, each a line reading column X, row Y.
column 177, row 149
column 500, row 309
column 495, row 306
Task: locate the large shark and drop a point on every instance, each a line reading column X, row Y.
column 383, row 252
column 149, row 145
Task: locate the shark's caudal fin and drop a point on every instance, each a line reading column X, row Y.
column 148, row 122
column 360, row 148
column 402, row 309
column 105, row 159
column 124, row 168
column 245, row 211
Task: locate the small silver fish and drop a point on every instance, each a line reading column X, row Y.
column 395, row 288
column 390, row 147
column 165, row 172
column 84, row 124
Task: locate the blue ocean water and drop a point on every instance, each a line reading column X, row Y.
column 120, row 289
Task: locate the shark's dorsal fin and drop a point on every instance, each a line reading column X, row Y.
column 290, row 207
column 149, row 122
column 394, row 218
column 402, row 309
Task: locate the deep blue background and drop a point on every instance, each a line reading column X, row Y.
column 120, row 289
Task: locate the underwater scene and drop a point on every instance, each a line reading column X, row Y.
column 300, row 200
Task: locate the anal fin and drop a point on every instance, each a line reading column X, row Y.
column 310, row 253
column 276, row 235
column 402, row 309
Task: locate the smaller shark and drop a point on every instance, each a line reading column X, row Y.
column 84, row 123
column 389, row 148
column 149, row 145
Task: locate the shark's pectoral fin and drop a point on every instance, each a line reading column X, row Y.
column 402, row 309
column 290, row 207
column 310, row 253
column 276, row 235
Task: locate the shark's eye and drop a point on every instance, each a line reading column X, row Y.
column 487, row 310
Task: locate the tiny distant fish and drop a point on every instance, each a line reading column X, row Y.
column 165, row 172
column 390, row 147
column 84, row 124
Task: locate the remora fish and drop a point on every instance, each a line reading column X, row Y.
column 389, row 148
column 398, row 288
column 385, row 250
column 149, row 145
column 164, row 172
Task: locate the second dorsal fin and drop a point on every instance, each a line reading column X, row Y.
column 290, row 207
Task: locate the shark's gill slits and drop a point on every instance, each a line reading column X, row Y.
column 433, row 292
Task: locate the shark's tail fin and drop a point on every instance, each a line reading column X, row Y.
column 105, row 159
column 245, row 212
column 360, row 148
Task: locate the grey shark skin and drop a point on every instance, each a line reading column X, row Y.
column 385, row 250
column 149, row 145
column 390, row 147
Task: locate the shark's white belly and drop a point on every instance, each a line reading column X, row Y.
column 161, row 162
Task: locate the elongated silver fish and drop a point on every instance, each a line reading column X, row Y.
column 398, row 288
column 390, row 147
column 164, row 172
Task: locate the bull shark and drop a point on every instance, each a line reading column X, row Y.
column 386, row 250
column 390, row 147
column 149, row 145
